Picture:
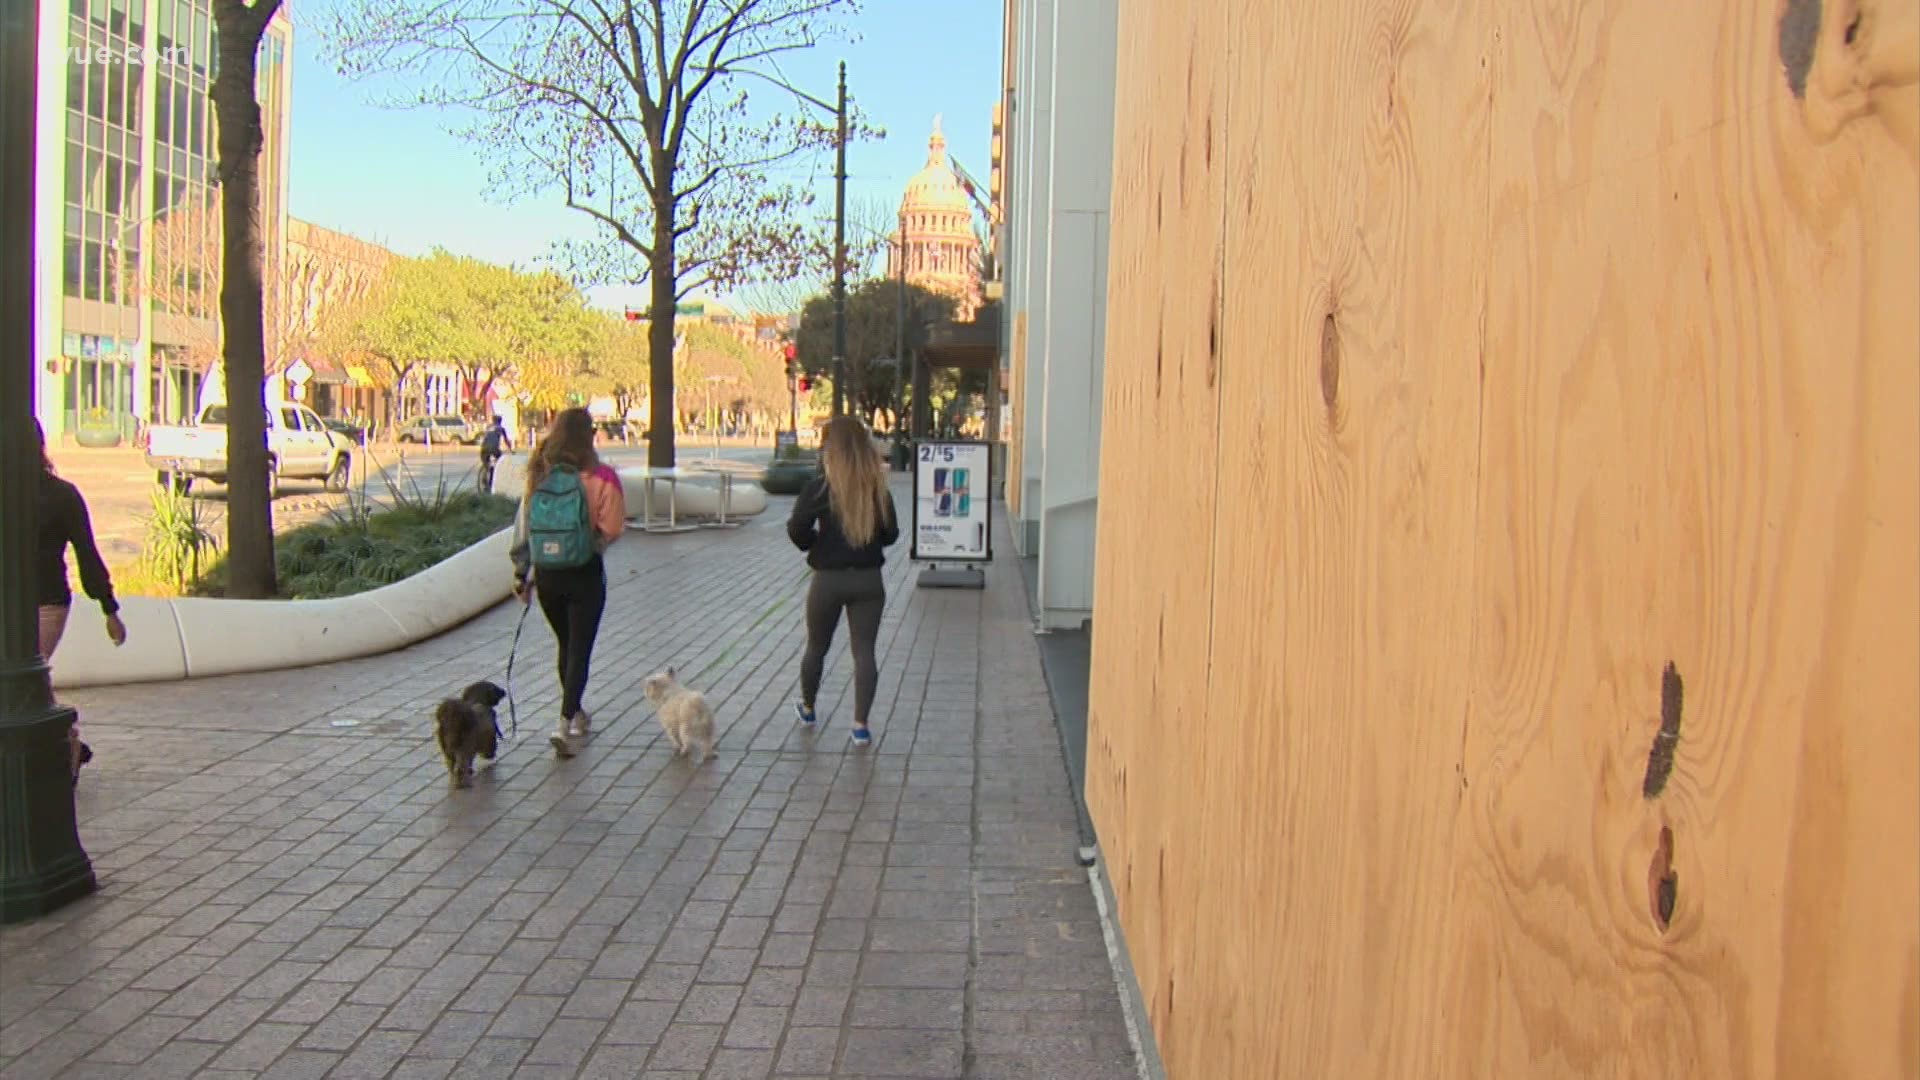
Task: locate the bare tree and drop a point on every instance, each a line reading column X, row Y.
column 872, row 225
column 639, row 114
column 250, row 569
column 187, row 251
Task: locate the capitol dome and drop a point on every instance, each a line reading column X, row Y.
column 936, row 188
column 937, row 230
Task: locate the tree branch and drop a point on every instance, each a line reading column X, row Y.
column 692, row 224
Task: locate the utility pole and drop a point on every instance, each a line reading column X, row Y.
column 42, row 865
column 793, row 392
column 840, row 255
column 900, row 368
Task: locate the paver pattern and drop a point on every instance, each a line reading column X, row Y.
column 290, row 889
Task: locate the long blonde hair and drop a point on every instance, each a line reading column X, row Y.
column 568, row 441
column 856, row 482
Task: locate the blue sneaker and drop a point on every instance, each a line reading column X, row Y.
column 862, row 737
column 803, row 714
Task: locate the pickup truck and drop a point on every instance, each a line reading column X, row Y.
column 299, row 447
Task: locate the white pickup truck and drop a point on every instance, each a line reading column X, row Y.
column 299, row 447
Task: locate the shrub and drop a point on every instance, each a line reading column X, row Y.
column 178, row 539
column 360, row 547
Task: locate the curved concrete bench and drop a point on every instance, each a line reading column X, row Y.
column 696, row 494
column 196, row 637
column 693, row 495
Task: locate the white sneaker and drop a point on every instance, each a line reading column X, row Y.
column 581, row 723
column 562, row 743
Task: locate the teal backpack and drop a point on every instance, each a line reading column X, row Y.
column 559, row 531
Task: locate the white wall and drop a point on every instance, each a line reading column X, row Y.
column 1064, row 187
column 1033, row 113
column 50, row 155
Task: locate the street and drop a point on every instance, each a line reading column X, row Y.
column 119, row 487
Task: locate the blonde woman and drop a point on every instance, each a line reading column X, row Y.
column 844, row 521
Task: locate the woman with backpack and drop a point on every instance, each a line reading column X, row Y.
column 844, row 521
column 573, row 509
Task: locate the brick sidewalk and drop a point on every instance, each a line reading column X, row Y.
column 289, row 889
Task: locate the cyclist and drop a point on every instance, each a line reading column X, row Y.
column 493, row 446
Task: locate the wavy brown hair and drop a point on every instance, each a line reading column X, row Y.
column 40, row 437
column 568, row 441
column 856, row 479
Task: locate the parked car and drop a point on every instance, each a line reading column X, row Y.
column 299, row 447
column 625, row 431
column 353, row 433
column 440, row 429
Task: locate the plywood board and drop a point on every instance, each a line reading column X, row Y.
column 1157, row 494
column 1491, row 384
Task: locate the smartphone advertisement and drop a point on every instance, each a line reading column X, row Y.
column 951, row 501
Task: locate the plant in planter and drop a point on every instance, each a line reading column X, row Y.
column 179, row 541
column 792, row 468
column 99, row 428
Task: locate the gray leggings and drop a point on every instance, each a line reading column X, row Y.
column 863, row 593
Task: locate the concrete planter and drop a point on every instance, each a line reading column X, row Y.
column 788, row 477
column 197, row 637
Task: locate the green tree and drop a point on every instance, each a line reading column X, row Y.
column 520, row 317
column 638, row 114
column 556, row 361
column 873, row 321
column 621, row 362
column 419, row 313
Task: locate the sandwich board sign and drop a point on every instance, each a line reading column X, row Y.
column 953, row 510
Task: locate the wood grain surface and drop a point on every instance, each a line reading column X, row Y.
column 1508, row 592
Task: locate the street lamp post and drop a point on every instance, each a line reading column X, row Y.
column 42, row 865
column 898, row 244
column 900, row 323
column 840, row 253
column 712, row 414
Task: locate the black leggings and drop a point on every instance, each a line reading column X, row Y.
column 573, row 601
column 863, row 593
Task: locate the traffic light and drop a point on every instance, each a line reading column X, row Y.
column 806, row 383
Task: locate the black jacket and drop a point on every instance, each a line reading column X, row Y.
column 64, row 521
column 814, row 530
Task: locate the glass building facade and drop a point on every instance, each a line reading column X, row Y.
column 128, row 277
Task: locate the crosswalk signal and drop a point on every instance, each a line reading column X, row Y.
column 806, row 384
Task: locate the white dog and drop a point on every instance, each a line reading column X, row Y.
column 684, row 713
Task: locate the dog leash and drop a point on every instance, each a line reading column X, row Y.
column 513, row 710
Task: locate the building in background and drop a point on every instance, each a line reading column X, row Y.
column 326, row 270
column 943, row 251
column 127, row 214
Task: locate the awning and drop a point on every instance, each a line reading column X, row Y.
column 971, row 346
column 326, row 372
column 361, row 377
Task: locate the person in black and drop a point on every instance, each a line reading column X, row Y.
column 64, row 523
column 844, row 521
column 493, row 446
column 573, row 599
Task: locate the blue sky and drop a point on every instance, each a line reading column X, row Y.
column 401, row 179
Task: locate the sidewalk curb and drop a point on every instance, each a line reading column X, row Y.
column 1133, row 1006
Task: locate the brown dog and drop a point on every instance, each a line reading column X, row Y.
column 468, row 729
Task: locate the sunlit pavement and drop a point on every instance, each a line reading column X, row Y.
column 288, row 887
